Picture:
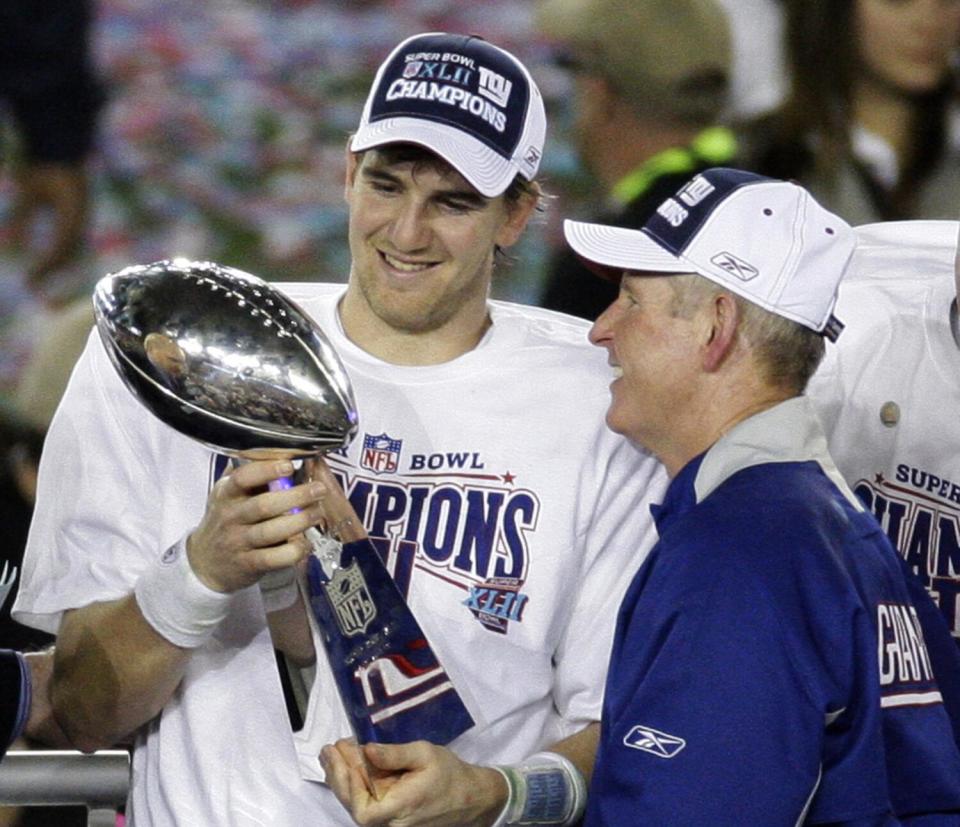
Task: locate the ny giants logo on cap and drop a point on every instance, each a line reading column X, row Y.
column 692, row 193
column 678, row 219
column 450, row 79
column 494, row 86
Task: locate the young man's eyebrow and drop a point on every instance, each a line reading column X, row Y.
column 468, row 197
column 380, row 174
column 465, row 194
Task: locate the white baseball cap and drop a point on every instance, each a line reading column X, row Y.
column 472, row 103
column 766, row 240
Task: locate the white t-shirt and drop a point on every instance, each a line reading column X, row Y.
column 889, row 395
column 496, row 464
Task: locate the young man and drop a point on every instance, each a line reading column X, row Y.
column 482, row 472
column 769, row 666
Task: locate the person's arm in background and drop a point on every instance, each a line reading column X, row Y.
column 41, row 725
column 14, row 697
column 25, row 709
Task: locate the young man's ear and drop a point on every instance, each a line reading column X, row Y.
column 721, row 329
column 352, row 164
column 519, row 213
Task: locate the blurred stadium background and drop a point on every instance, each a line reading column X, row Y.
column 223, row 139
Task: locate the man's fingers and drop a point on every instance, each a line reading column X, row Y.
column 279, row 530
column 247, row 531
column 317, row 469
column 338, row 514
column 396, row 757
column 271, row 519
column 249, row 476
column 338, row 774
column 344, row 767
column 245, row 481
column 277, row 557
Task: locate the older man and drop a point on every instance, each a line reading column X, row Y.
column 745, row 685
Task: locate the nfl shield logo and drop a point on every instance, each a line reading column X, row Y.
column 412, row 69
column 351, row 600
column 381, row 453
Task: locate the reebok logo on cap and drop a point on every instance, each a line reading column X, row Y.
column 735, row 266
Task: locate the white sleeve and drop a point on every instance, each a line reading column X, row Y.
column 825, row 389
column 100, row 508
column 617, row 531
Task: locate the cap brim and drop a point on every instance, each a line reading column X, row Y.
column 619, row 249
column 485, row 169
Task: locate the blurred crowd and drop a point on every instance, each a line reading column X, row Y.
column 222, row 137
column 217, row 130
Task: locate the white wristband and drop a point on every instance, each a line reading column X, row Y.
column 279, row 589
column 546, row 788
column 175, row 602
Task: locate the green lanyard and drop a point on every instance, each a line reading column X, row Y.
column 716, row 145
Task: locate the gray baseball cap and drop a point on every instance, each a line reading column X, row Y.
column 668, row 57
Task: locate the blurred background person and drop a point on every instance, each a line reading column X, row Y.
column 24, row 419
column 49, row 87
column 758, row 74
column 26, row 662
column 650, row 83
column 871, row 124
column 44, row 376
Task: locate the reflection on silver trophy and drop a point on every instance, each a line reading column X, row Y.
column 226, row 359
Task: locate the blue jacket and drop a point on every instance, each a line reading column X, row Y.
column 769, row 667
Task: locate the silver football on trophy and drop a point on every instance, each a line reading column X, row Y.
column 225, row 358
